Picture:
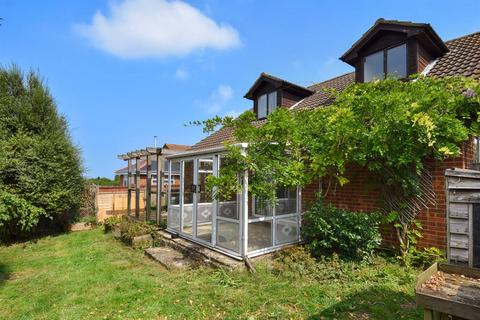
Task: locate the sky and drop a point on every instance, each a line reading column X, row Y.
column 124, row 71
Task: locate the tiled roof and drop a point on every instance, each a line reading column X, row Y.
column 176, row 147
column 322, row 95
column 463, row 58
column 217, row 138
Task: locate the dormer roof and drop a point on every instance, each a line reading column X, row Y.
column 422, row 31
column 278, row 83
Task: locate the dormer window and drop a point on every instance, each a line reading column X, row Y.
column 266, row 104
column 391, row 62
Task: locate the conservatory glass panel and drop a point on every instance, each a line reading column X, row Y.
column 286, row 201
column 173, row 220
column 188, row 188
column 228, row 236
column 259, row 235
column 261, row 208
column 205, row 205
column 286, row 230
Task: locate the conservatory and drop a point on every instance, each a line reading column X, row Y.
column 241, row 226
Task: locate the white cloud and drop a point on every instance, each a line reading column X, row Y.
column 156, row 28
column 218, row 99
column 181, row 74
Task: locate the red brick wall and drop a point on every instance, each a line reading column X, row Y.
column 361, row 194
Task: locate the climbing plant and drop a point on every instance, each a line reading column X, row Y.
column 388, row 127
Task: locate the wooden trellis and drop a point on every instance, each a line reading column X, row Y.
column 148, row 154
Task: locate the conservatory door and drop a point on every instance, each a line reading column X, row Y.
column 203, row 200
column 188, row 195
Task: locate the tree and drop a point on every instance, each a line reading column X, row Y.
column 40, row 167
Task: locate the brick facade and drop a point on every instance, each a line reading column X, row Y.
column 362, row 194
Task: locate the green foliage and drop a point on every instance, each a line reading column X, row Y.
column 130, row 229
column 351, row 235
column 425, row 257
column 297, row 263
column 387, row 126
column 408, row 235
column 16, row 213
column 110, row 223
column 39, row 165
column 103, row 181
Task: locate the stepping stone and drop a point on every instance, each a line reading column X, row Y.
column 169, row 257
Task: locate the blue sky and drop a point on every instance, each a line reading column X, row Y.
column 123, row 71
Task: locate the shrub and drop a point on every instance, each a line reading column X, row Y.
column 130, row 229
column 424, row 257
column 352, row 235
column 16, row 213
column 110, row 223
column 39, row 164
column 297, row 262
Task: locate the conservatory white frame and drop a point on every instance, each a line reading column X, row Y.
column 289, row 223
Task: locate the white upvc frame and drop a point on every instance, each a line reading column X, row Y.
column 242, row 207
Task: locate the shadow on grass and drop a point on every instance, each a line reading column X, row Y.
column 4, row 273
column 374, row 303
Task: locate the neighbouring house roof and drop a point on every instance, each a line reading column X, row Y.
column 175, row 147
column 462, row 58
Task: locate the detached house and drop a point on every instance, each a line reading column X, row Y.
column 240, row 228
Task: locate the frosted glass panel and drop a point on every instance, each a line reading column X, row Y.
column 259, row 235
column 173, row 220
column 286, row 230
column 228, row 236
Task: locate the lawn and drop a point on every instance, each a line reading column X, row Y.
column 89, row 275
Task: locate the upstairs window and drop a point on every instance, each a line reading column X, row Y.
column 266, row 104
column 262, row 106
column 390, row 62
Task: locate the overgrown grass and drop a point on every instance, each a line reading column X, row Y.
column 89, row 275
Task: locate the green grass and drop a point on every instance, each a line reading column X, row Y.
column 89, row 275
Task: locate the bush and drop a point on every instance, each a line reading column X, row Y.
column 297, row 262
column 424, row 257
column 110, row 223
column 17, row 213
column 130, row 229
column 352, row 235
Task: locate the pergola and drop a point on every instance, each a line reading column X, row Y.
column 148, row 154
column 241, row 226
